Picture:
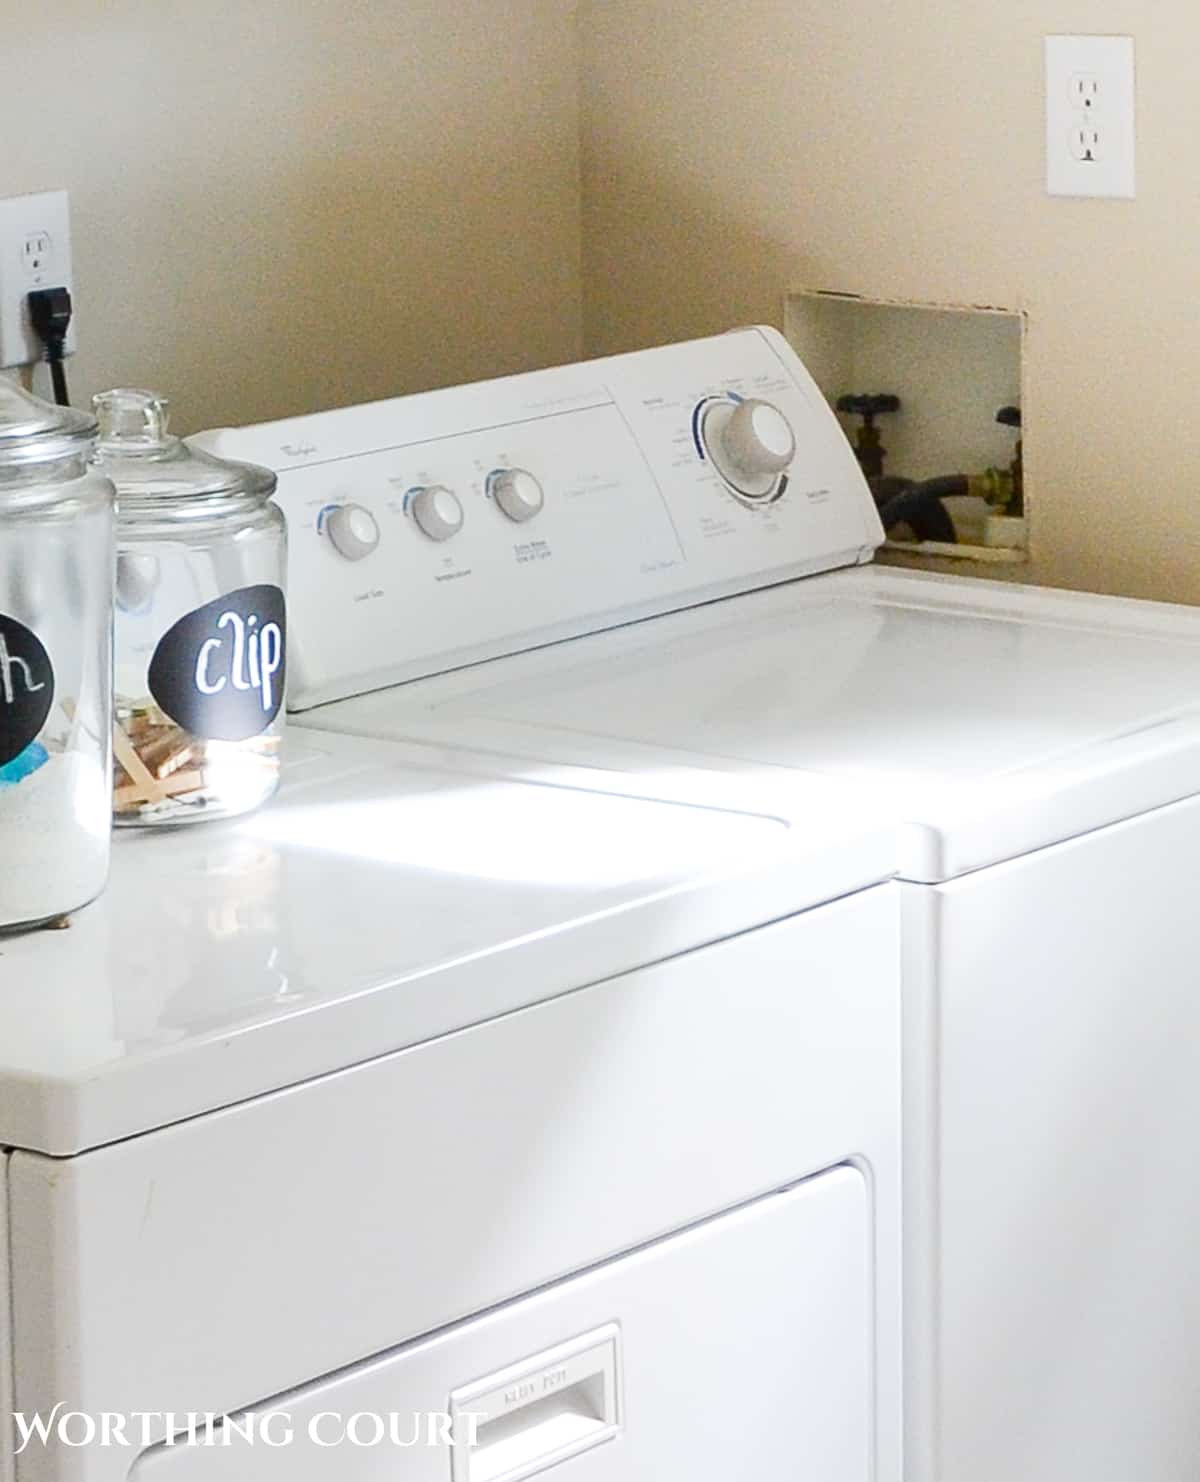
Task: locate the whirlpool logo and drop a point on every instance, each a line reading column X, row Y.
column 139, row 1429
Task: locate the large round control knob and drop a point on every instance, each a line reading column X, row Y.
column 352, row 531
column 437, row 511
column 517, row 493
column 758, row 439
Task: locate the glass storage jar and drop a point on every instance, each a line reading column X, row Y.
column 56, row 583
column 201, row 627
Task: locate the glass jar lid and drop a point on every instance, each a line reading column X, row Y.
column 34, row 431
column 157, row 472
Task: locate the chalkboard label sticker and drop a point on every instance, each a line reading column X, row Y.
column 219, row 672
column 26, row 687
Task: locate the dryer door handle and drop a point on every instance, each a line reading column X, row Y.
column 538, row 1412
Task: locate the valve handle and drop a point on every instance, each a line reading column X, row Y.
column 868, row 406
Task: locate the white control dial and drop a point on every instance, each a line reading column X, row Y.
column 750, row 444
column 352, row 531
column 437, row 511
column 517, row 493
column 759, row 439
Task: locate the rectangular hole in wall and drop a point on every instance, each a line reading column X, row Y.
column 929, row 396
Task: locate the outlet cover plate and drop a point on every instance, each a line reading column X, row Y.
column 35, row 252
column 1090, row 117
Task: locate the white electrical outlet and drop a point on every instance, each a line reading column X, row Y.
column 1085, row 144
column 35, row 252
column 1084, row 91
column 1090, row 116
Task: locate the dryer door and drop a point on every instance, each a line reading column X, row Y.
column 739, row 1348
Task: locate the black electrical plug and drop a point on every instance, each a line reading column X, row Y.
column 50, row 315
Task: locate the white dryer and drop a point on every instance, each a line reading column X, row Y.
column 431, row 1125
column 596, row 570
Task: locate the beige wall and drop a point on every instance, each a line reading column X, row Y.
column 285, row 204
column 252, row 180
column 897, row 150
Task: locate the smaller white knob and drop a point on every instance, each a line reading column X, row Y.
column 352, row 530
column 517, row 493
column 437, row 511
column 758, row 439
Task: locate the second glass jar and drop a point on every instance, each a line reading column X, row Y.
column 200, row 622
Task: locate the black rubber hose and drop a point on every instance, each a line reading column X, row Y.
column 922, row 510
column 886, row 487
column 946, row 485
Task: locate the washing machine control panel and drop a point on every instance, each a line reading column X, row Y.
column 442, row 528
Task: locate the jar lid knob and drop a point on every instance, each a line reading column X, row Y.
column 127, row 415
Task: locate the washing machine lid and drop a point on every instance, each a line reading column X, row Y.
column 387, row 896
column 995, row 719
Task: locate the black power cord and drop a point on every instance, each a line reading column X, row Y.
column 50, row 314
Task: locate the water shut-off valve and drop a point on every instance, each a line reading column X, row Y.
column 868, row 448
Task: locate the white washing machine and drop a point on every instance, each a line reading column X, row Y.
column 611, row 568
column 432, row 1125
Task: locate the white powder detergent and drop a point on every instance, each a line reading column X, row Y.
column 54, row 839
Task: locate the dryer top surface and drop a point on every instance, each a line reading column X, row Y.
column 389, row 895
